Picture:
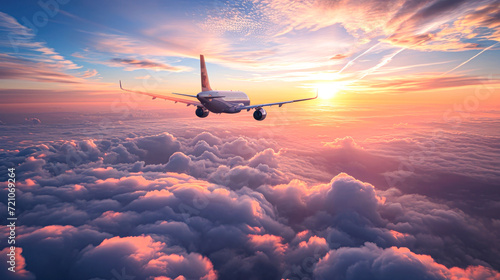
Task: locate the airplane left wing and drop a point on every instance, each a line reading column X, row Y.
column 248, row 108
column 170, row 98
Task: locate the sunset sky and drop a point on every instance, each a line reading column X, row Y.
column 392, row 173
column 422, row 52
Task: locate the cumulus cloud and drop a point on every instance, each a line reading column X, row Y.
column 372, row 262
column 206, row 207
column 20, row 265
column 142, row 257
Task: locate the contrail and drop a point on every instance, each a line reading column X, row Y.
column 385, row 61
column 352, row 61
column 465, row 62
column 382, row 63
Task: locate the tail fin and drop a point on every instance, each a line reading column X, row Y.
column 205, row 84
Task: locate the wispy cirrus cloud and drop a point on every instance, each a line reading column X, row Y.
column 423, row 82
column 13, row 68
column 298, row 42
column 134, row 64
column 224, row 30
column 90, row 73
column 28, row 59
column 405, row 22
column 21, row 39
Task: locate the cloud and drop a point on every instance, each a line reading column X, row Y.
column 155, row 149
column 485, row 16
column 434, row 25
column 146, row 77
column 90, row 73
column 21, row 39
column 20, row 265
column 424, row 82
column 25, row 58
column 370, row 261
column 417, row 31
column 13, row 68
column 10, row 24
column 142, row 257
column 58, row 244
column 339, row 56
column 133, row 64
column 409, row 23
column 33, row 121
column 201, row 206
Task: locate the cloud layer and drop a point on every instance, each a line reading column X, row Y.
column 206, row 207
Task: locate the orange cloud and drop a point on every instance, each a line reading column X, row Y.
column 339, row 56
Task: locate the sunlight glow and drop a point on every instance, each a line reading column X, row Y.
column 327, row 90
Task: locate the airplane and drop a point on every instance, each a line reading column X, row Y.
column 218, row 101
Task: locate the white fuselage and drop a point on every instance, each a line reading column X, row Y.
column 223, row 101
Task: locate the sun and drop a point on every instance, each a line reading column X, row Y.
column 327, row 90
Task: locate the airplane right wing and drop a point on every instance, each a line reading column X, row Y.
column 248, row 108
column 175, row 99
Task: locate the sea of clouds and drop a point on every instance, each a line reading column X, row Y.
column 209, row 204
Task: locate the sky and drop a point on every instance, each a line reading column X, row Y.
column 391, row 173
column 400, row 51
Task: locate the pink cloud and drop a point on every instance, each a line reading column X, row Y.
column 20, row 265
column 148, row 257
column 134, row 64
column 15, row 68
column 422, row 82
column 254, row 229
column 267, row 242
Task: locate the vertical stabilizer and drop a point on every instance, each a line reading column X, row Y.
column 205, row 84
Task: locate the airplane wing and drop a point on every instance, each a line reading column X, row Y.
column 276, row 103
column 175, row 99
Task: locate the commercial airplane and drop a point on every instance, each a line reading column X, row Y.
column 219, row 101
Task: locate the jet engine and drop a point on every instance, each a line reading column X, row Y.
column 202, row 112
column 260, row 114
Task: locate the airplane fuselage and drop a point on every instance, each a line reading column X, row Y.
column 223, row 101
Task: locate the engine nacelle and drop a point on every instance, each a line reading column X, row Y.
column 260, row 114
column 202, row 112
